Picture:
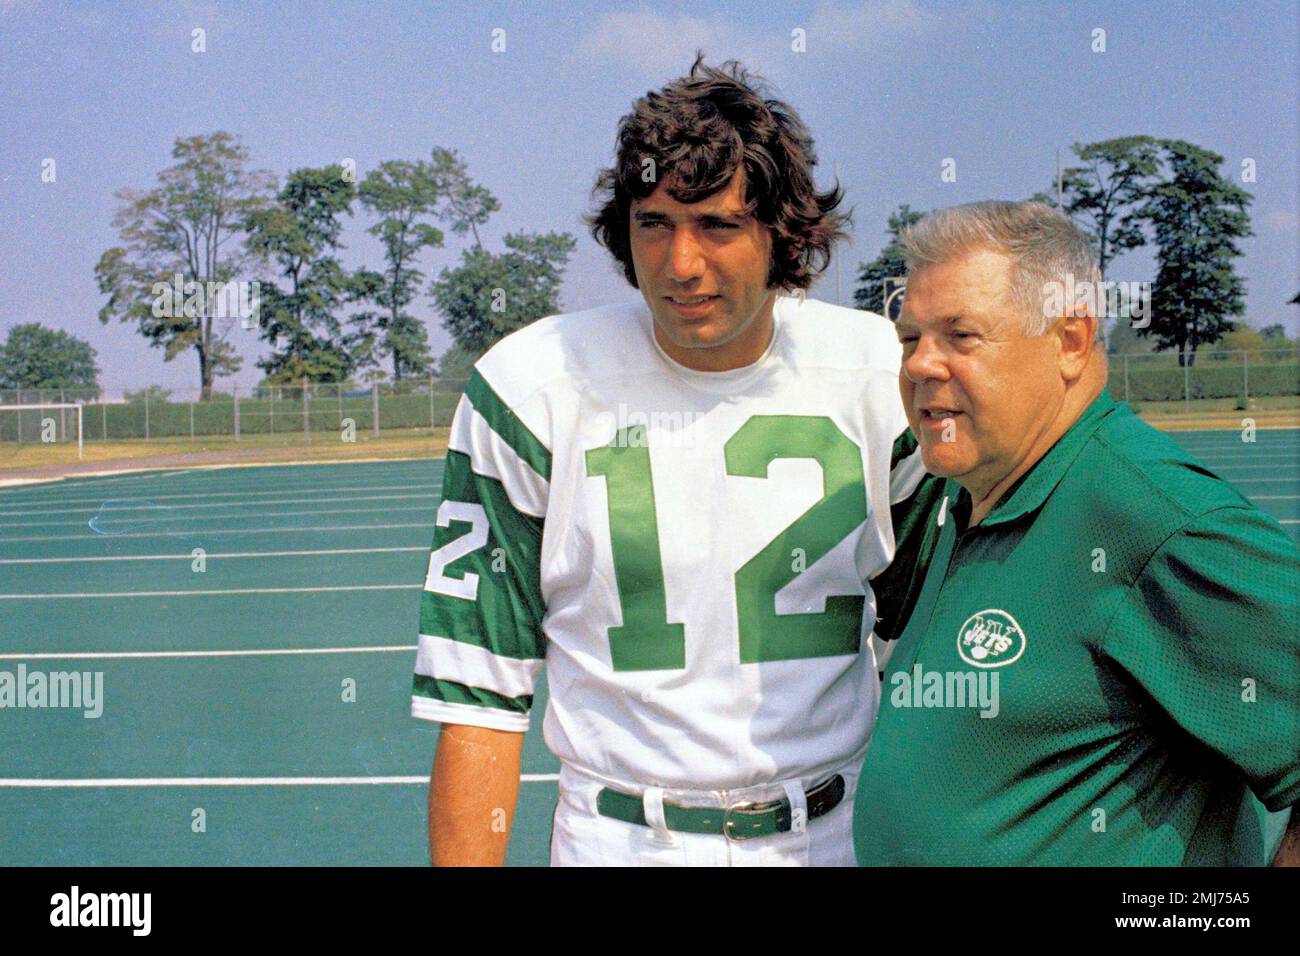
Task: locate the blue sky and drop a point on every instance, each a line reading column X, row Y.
column 890, row 89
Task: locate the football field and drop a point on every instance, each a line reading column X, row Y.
column 255, row 631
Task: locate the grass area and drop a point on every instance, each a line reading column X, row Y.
column 1273, row 411
column 397, row 443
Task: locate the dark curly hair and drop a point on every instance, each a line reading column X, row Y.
column 698, row 131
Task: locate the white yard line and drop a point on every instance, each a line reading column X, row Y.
column 150, row 655
column 429, row 505
column 220, row 593
column 225, row 556
column 147, row 506
column 98, row 500
column 212, row 531
column 94, row 782
column 145, row 471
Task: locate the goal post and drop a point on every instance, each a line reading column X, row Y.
column 11, row 422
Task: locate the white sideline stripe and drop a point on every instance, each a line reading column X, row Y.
column 207, row 504
column 430, row 505
column 1256, row 481
column 74, row 782
column 224, row 556
column 1290, row 521
column 138, row 655
column 1274, row 497
column 92, row 536
column 1278, row 467
column 122, row 594
column 1277, row 461
column 303, row 489
column 114, row 474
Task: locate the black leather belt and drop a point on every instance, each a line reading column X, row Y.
column 741, row 821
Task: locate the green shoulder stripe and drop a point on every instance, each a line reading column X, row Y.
column 904, row 446
column 507, row 425
column 453, row 693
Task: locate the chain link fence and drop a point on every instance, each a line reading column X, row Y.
column 300, row 411
column 1240, row 375
column 304, row 411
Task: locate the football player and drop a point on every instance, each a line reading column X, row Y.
column 687, row 509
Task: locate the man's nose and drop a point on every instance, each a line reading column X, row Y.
column 926, row 362
column 685, row 257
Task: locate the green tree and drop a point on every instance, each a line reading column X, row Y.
column 34, row 356
column 1125, row 340
column 405, row 194
column 488, row 295
column 187, row 226
column 1197, row 216
column 889, row 264
column 1105, row 195
column 300, row 235
column 1241, row 338
column 153, row 394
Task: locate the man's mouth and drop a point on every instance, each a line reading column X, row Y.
column 937, row 417
column 939, row 414
column 692, row 306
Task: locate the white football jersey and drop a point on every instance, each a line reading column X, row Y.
column 689, row 554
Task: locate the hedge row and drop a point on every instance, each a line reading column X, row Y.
column 1203, row 381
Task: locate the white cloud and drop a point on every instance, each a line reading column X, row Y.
column 656, row 47
column 660, row 47
column 864, row 27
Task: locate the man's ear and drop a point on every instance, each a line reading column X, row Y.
column 1076, row 334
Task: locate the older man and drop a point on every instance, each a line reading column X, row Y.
column 1104, row 661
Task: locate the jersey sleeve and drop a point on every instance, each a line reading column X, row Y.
column 481, row 643
column 1211, row 630
column 914, row 500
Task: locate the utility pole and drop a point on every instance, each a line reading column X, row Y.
column 1060, row 182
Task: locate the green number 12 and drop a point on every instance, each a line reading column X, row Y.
column 646, row 640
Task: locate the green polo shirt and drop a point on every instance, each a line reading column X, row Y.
column 1127, row 623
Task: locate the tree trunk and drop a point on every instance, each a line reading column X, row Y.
column 205, row 377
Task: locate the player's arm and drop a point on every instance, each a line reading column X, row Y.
column 1210, row 631
column 472, row 795
column 481, row 643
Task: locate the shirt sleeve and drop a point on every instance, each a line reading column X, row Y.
column 1211, row 630
column 914, row 500
column 481, row 643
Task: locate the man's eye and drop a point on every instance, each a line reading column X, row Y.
column 721, row 225
column 650, row 224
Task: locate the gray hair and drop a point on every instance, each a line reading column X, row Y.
column 1047, row 250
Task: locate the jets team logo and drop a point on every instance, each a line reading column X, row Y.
column 990, row 638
